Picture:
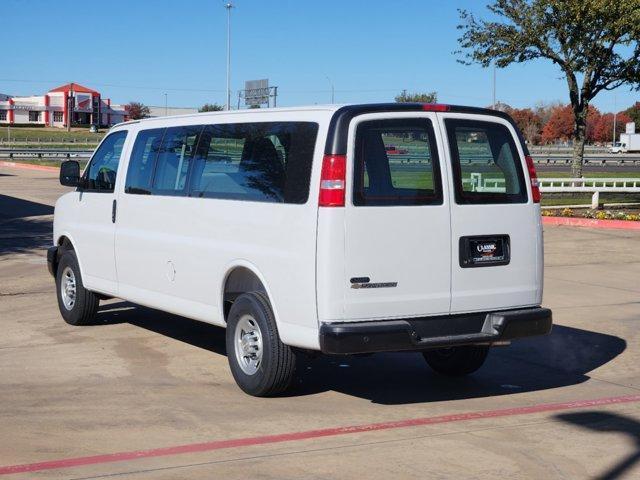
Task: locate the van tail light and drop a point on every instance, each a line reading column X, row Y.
column 332, row 181
column 535, row 187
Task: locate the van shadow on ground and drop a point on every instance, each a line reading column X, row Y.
column 565, row 357
column 607, row 422
column 24, row 225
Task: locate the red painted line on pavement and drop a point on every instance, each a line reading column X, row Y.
column 310, row 434
column 29, row 166
column 592, row 223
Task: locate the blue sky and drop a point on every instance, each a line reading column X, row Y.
column 371, row 50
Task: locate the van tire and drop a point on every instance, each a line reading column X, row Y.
column 457, row 361
column 85, row 303
column 276, row 367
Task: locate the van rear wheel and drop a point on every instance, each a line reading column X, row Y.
column 457, row 361
column 260, row 363
column 78, row 306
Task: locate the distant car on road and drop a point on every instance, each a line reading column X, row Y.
column 393, row 150
column 618, row 148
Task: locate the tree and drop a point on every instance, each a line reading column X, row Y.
column 603, row 130
column 595, row 43
column 136, row 110
column 593, row 117
column 211, row 107
column 634, row 113
column 544, row 110
column 404, row 97
column 501, row 107
column 529, row 123
column 559, row 126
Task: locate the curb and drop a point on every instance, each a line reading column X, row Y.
column 29, row 166
column 591, row 223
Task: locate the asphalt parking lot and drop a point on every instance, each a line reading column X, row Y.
column 148, row 395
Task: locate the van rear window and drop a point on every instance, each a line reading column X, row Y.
column 486, row 164
column 396, row 163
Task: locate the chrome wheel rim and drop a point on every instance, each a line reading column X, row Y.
column 248, row 344
column 68, row 288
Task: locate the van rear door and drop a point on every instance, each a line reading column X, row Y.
column 397, row 235
column 496, row 230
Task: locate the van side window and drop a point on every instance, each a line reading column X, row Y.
column 265, row 162
column 396, row 163
column 143, row 160
column 486, row 163
column 174, row 157
column 101, row 174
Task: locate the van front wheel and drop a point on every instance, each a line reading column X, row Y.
column 457, row 361
column 78, row 306
column 260, row 363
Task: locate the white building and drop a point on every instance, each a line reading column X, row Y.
column 83, row 105
column 71, row 102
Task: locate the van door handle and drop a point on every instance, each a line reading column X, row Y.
column 113, row 210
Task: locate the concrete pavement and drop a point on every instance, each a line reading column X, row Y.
column 143, row 379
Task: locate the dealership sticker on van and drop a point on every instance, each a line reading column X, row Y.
column 484, row 251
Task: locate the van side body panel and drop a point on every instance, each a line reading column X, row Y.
column 174, row 252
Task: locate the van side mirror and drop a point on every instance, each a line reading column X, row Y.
column 70, row 173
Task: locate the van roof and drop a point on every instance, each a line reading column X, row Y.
column 342, row 115
column 327, row 108
column 355, row 107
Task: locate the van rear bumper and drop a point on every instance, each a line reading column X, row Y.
column 433, row 332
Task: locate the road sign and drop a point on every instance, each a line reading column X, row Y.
column 256, row 92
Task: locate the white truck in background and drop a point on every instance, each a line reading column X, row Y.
column 629, row 141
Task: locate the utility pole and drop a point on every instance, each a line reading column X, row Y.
column 70, row 108
column 228, row 6
column 333, row 91
column 615, row 117
column 166, row 110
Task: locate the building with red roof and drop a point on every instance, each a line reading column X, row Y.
column 75, row 103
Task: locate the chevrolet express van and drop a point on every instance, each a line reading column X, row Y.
column 340, row 229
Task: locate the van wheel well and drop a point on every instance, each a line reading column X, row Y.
column 65, row 244
column 240, row 280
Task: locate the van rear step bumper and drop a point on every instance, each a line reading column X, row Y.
column 433, row 332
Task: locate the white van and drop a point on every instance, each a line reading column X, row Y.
column 340, row 229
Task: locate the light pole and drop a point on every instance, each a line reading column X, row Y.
column 228, row 6
column 333, row 91
column 166, row 109
column 615, row 118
